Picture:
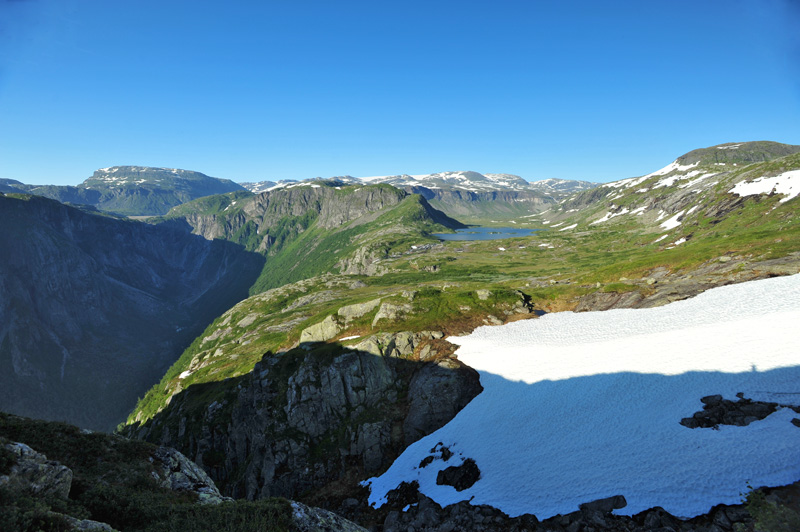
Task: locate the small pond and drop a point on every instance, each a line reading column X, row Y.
column 485, row 233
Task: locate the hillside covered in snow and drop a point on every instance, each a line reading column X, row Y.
column 582, row 406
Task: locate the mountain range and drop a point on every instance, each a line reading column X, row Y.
column 300, row 334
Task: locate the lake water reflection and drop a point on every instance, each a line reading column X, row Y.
column 485, row 233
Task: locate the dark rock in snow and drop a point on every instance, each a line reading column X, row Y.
column 718, row 411
column 606, row 505
column 460, row 477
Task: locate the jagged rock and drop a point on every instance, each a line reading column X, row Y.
column 351, row 312
column 365, row 261
column 605, row 506
column 320, row 332
column 308, row 519
column 391, row 312
column 427, row 411
column 460, row 477
column 178, row 473
column 306, row 418
column 402, row 344
column 34, row 473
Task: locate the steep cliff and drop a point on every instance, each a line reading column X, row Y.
column 310, row 229
column 312, row 417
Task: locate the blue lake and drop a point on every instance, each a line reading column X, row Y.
column 485, row 233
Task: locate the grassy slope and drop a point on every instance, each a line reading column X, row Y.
column 553, row 267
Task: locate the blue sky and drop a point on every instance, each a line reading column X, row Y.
column 256, row 90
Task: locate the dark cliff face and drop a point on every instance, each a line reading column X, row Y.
column 94, row 309
column 304, row 419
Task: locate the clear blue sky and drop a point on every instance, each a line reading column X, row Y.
column 255, row 90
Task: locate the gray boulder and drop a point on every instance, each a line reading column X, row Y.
column 87, row 525
column 321, row 332
column 34, row 473
column 391, row 312
column 351, row 312
column 308, row 519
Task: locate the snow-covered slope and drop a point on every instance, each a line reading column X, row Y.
column 705, row 183
column 559, row 188
column 578, row 407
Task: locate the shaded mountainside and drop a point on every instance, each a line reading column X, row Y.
column 133, row 190
column 309, row 230
column 95, row 309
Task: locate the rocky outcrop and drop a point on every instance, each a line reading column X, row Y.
column 32, row 472
column 429, row 391
column 322, row 331
column 87, row 525
column 365, row 261
column 178, row 473
column 304, row 419
column 351, row 312
column 391, row 312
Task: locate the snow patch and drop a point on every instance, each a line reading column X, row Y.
column 673, row 222
column 610, row 215
column 573, row 226
column 788, row 184
column 581, row 406
column 674, row 166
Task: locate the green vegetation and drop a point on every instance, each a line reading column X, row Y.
column 217, row 204
column 391, row 257
column 113, row 484
column 769, row 515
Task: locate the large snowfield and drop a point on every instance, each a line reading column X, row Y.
column 582, row 406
